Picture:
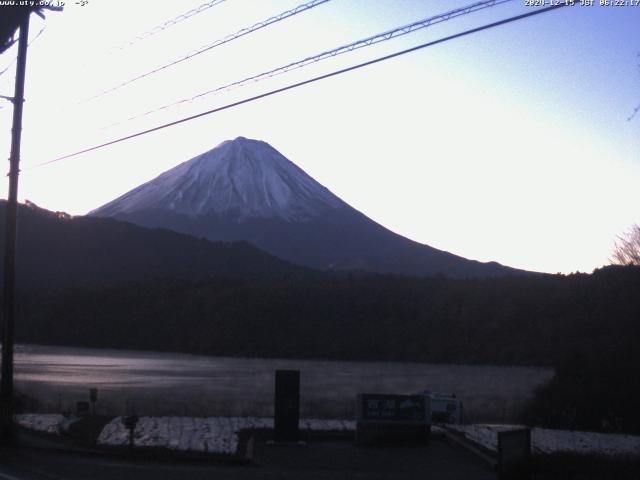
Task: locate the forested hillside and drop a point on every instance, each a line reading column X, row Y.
column 510, row 320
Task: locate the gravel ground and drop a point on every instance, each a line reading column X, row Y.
column 555, row 441
column 221, row 434
column 46, row 422
column 193, row 434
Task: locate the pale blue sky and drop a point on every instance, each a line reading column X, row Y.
column 510, row 145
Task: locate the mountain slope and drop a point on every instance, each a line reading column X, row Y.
column 56, row 250
column 241, row 178
column 246, row 190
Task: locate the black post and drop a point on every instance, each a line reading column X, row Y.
column 514, row 454
column 130, row 423
column 93, row 397
column 287, row 405
column 8, row 306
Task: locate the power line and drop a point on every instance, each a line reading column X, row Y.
column 172, row 22
column 309, row 81
column 3, row 71
column 160, row 28
column 372, row 40
column 221, row 41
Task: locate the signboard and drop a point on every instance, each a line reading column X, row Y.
column 376, row 407
column 445, row 408
column 514, row 452
column 385, row 418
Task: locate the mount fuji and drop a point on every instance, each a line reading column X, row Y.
column 246, row 190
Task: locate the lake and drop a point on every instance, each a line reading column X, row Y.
column 150, row 383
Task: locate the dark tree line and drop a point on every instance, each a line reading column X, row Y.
column 509, row 320
column 587, row 326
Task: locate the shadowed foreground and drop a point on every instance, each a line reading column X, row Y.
column 319, row 459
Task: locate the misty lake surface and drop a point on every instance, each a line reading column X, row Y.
column 150, row 383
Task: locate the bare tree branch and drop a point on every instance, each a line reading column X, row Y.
column 627, row 248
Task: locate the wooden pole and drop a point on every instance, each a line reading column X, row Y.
column 8, row 298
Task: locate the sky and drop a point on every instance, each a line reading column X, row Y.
column 511, row 144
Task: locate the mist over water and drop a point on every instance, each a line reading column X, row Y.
column 150, row 383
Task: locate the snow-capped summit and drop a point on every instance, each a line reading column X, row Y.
column 246, row 190
column 242, row 177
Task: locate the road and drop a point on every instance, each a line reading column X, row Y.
column 318, row 460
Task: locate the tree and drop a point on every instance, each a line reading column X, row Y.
column 627, row 248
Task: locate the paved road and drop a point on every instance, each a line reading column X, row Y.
column 318, row 460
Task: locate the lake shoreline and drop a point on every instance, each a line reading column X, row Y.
column 155, row 383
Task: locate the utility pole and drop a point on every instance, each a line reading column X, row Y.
column 7, row 432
